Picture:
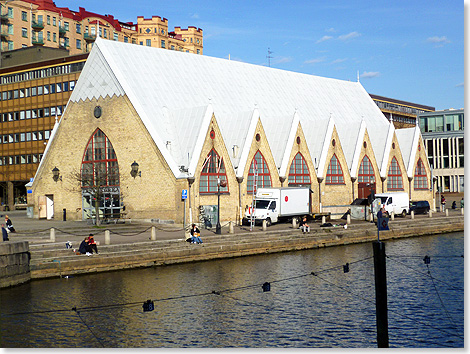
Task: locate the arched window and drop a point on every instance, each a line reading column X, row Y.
column 99, row 164
column 213, row 167
column 100, row 178
column 299, row 174
column 260, row 167
column 366, row 171
column 394, row 178
column 334, row 174
column 420, row 177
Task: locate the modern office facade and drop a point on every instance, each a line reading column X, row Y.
column 403, row 114
column 32, row 97
column 443, row 135
column 25, row 23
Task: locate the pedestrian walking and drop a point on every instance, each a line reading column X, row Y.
column 443, row 203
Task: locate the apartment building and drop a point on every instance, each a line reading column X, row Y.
column 26, row 23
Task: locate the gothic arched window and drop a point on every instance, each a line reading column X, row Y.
column 259, row 170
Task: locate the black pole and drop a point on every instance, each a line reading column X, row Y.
column 218, row 228
column 381, row 294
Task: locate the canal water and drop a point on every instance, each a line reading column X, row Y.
column 312, row 302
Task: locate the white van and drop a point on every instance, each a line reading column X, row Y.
column 396, row 202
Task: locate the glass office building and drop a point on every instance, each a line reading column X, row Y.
column 443, row 134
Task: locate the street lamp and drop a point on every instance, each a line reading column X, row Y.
column 135, row 170
column 218, row 228
column 56, row 174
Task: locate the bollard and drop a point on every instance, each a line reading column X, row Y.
column 461, row 211
column 153, row 233
column 294, row 223
column 348, row 219
column 447, row 212
column 412, row 213
column 230, row 227
column 323, row 219
column 107, row 237
column 264, row 225
column 430, row 213
column 52, row 234
column 393, row 216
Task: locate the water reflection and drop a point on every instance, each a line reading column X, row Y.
column 328, row 309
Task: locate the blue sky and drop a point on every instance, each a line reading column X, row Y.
column 407, row 50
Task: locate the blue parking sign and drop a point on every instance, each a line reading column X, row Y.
column 184, row 194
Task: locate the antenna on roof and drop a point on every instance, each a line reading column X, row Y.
column 269, row 57
column 358, row 76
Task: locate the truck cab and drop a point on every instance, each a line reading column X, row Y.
column 265, row 209
column 396, row 202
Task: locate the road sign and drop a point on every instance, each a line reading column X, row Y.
column 184, row 194
column 382, row 224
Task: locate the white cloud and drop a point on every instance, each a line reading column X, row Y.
column 330, row 30
column 314, row 61
column 439, row 41
column 324, row 38
column 350, row 35
column 337, row 61
column 462, row 84
column 195, row 16
column 370, row 74
column 282, row 60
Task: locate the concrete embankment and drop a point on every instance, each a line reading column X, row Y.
column 53, row 260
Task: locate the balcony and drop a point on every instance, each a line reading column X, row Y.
column 38, row 41
column 4, row 36
column 62, row 31
column 37, row 25
column 89, row 37
column 4, row 18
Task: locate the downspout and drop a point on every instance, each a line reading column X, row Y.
column 190, row 182
column 353, row 179
column 240, row 215
column 320, row 180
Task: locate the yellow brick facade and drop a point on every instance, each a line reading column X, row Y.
column 336, row 194
column 156, row 193
column 151, row 195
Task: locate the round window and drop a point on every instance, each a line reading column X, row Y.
column 97, row 112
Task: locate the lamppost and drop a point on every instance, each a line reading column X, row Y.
column 218, row 228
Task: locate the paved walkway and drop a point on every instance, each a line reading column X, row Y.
column 38, row 231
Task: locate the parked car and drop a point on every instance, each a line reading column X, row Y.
column 420, row 207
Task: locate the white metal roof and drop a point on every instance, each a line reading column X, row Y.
column 173, row 93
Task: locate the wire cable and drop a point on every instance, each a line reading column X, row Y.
column 88, row 327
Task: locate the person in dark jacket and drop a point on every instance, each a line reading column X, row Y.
column 195, row 234
column 5, row 233
column 9, row 224
column 92, row 244
column 85, row 247
column 304, row 226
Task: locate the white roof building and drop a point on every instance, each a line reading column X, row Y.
column 176, row 93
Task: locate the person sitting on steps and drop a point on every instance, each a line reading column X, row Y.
column 195, row 234
column 304, row 226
